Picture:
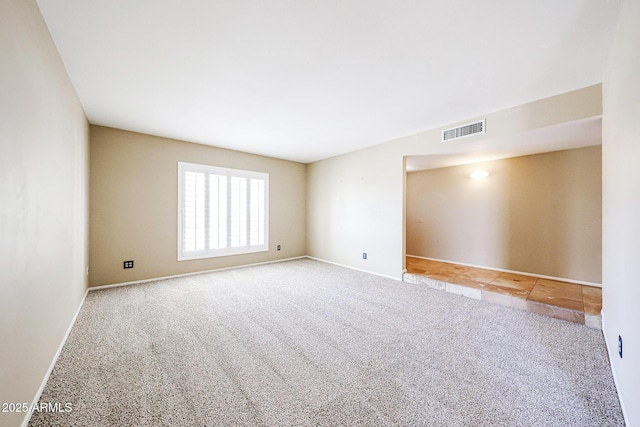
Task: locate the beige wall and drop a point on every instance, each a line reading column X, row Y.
column 134, row 205
column 621, row 208
column 355, row 201
column 43, row 203
column 539, row 214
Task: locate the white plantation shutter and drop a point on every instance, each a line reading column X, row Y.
column 193, row 211
column 256, row 212
column 221, row 211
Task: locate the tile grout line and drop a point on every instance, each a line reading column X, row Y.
column 449, row 287
column 537, row 279
column 521, row 273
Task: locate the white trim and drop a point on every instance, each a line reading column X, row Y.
column 354, row 268
column 562, row 279
column 613, row 371
column 211, row 253
column 25, row 422
column 155, row 279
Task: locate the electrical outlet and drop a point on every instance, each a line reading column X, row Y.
column 279, row 247
column 364, row 255
column 620, row 346
column 128, row 264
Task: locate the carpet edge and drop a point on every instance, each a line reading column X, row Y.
column 45, row 379
column 613, row 370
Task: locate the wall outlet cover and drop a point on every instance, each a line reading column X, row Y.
column 620, row 346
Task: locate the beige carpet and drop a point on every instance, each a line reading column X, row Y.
column 307, row 343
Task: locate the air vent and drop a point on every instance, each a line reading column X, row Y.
column 462, row 131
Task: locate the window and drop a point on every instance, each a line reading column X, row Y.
column 221, row 211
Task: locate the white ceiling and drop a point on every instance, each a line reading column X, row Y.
column 306, row 80
column 564, row 136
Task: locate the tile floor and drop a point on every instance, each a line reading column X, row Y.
column 562, row 300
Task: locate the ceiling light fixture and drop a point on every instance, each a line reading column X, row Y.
column 478, row 175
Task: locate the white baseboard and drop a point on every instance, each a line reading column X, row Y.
column 399, row 279
column 613, row 371
column 25, row 422
column 541, row 276
column 135, row 282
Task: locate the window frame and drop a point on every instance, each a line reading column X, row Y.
column 184, row 167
